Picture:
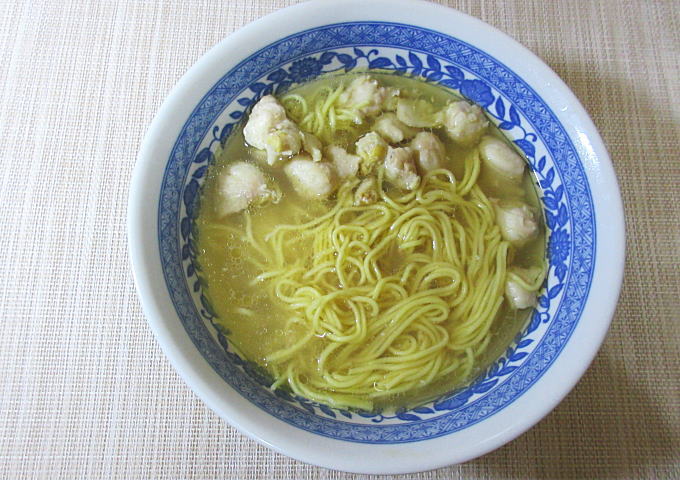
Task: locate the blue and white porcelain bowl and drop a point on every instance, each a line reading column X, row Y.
column 519, row 93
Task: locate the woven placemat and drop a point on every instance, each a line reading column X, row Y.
column 85, row 391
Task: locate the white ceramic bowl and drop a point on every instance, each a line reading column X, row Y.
column 518, row 92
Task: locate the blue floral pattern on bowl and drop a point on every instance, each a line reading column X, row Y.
column 507, row 101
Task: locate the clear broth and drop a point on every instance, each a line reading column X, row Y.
column 260, row 329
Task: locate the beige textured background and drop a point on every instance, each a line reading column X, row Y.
column 84, row 389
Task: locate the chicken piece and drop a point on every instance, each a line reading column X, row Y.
column 372, row 149
column 367, row 96
column 269, row 129
column 241, row 185
column 517, row 223
column 284, row 141
column 501, row 158
column 518, row 296
column 346, row 165
column 430, row 152
column 309, row 178
column 312, row 145
column 465, row 123
column 392, row 129
column 367, row 192
column 400, row 167
column 418, row 113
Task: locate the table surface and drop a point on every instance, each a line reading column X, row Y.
column 85, row 391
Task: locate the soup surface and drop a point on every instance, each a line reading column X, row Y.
column 370, row 241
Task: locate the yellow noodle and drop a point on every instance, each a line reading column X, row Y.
column 391, row 296
column 327, row 116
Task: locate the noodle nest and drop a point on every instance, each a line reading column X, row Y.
column 390, row 296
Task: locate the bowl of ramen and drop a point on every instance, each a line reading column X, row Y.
column 376, row 241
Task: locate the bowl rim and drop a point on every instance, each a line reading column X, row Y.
column 545, row 394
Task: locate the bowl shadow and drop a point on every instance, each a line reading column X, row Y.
column 615, row 423
column 608, row 427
